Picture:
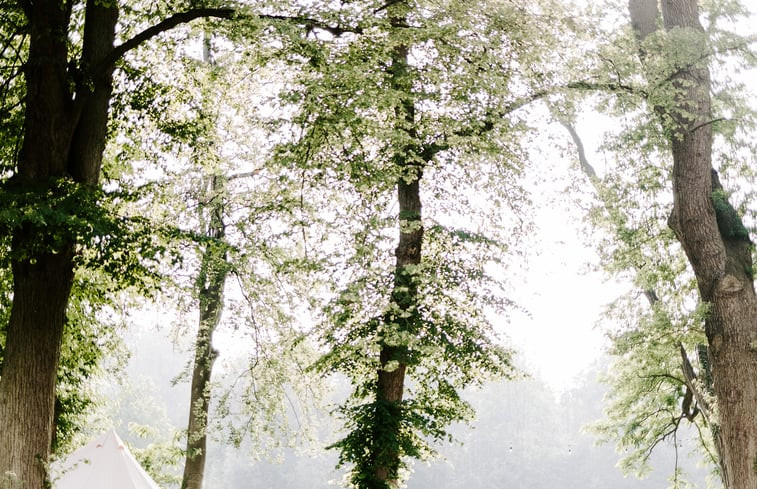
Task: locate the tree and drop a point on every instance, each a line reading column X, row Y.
column 210, row 284
column 412, row 109
column 55, row 148
column 237, row 217
column 68, row 58
column 649, row 402
column 710, row 231
column 656, row 384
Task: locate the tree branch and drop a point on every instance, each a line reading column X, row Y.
column 691, row 383
column 217, row 13
column 430, row 150
column 166, row 25
column 386, row 6
column 582, row 159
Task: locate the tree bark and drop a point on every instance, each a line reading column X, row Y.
column 32, row 350
column 717, row 246
column 60, row 141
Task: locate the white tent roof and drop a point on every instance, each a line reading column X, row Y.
column 104, row 463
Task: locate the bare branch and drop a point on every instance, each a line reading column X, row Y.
column 166, row 25
column 582, row 159
column 691, row 382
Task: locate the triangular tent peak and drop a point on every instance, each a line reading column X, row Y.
column 105, row 462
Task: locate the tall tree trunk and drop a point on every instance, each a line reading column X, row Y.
column 717, row 246
column 210, row 285
column 63, row 137
column 394, row 359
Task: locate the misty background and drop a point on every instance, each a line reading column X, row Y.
column 526, row 435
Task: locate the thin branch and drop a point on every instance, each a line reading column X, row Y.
column 691, row 382
column 236, row 176
column 386, row 6
column 714, row 458
column 704, row 124
column 663, row 376
column 582, row 159
column 432, row 149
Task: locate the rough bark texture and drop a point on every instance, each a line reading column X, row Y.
column 64, row 135
column 27, row 390
column 210, row 284
column 718, row 248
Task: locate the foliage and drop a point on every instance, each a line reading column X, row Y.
column 13, row 50
column 647, row 405
column 451, row 348
column 90, row 335
column 117, row 244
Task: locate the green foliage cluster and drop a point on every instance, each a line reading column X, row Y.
column 730, row 224
column 13, row 49
column 61, row 213
column 645, row 406
column 90, row 335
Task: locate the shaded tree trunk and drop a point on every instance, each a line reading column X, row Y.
column 64, row 137
column 717, row 246
column 27, row 387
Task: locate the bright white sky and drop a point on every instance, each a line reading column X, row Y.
column 561, row 337
column 562, row 289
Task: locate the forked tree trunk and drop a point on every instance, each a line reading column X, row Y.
column 63, row 137
column 717, row 246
